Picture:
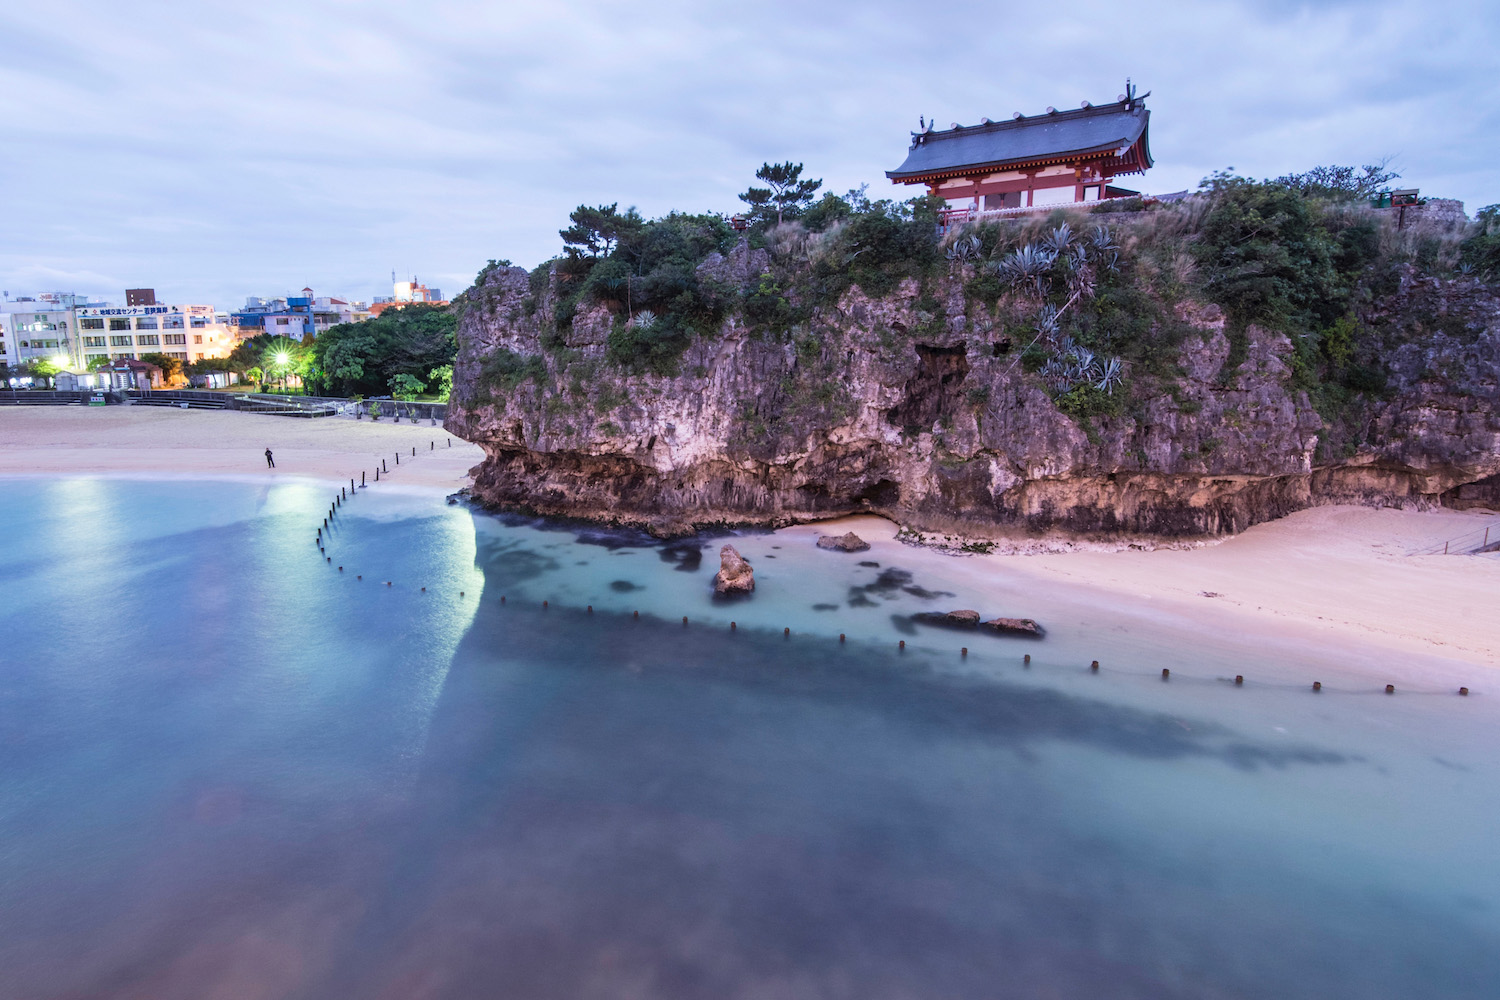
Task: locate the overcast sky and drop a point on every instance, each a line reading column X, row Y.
column 218, row 150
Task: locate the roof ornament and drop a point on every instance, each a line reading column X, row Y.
column 1129, row 97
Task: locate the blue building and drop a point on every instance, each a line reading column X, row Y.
column 289, row 317
column 297, row 316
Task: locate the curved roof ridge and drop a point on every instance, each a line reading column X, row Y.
column 1096, row 129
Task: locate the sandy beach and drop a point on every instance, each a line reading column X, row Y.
column 159, row 441
column 1331, row 576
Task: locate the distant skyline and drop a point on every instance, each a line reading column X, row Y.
column 215, row 151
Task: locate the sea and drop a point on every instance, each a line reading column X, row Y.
column 435, row 752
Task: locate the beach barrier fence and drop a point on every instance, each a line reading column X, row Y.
column 1485, row 538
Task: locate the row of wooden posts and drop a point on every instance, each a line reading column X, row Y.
column 344, row 494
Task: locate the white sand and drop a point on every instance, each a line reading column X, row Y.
column 156, row 441
column 1331, row 576
column 1337, row 577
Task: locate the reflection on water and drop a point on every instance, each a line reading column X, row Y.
column 228, row 770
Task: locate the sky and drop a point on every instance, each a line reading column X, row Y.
column 219, row 150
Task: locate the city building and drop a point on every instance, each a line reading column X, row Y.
column 186, row 332
column 73, row 331
column 296, row 316
column 407, row 292
column 1056, row 158
column 41, row 328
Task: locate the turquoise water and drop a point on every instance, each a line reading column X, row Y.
column 229, row 770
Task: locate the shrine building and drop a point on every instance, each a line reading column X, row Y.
column 1056, row 158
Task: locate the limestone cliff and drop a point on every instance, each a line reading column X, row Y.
column 917, row 405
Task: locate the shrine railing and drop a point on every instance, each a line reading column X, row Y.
column 962, row 216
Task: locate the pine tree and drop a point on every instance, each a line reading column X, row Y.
column 596, row 231
column 787, row 191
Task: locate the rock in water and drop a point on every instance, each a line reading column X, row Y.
column 735, row 575
column 844, row 543
column 947, row 619
column 1024, row 627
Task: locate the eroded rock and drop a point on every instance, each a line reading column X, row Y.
column 735, row 576
column 1023, row 627
column 917, row 416
column 849, row 542
column 948, row 619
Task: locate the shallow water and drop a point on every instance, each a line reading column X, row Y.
column 228, row 769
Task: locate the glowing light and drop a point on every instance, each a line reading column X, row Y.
column 60, row 361
column 282, row 358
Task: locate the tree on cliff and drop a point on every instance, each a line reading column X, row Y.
column 1341, row 183
column 596, row 231
column 788, row 193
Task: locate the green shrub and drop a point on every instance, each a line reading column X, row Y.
column 503, row 370
column 656, row 348
column 1266, row 258
column 1084, row 401
column 1365, row 378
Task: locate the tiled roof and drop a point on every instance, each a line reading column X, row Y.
column 1109, row 128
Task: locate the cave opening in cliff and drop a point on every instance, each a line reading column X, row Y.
column 934, row 391
column 882, row 494
column 1480, row 494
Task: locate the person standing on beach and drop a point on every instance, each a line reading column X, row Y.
column 270, row 462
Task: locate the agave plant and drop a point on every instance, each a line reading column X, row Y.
column 1056, row 376
column 1081, row 281
column 964, row 249
column 1046, row 321
column 1103, row 240
column 1059, row 239
column 644, row 320
column 1028, row 266
column 1110, row 376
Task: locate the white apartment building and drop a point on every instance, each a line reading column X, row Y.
column 41, row 327
column 35, row 334
column 186, row 332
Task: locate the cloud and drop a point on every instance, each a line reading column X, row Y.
column 219, row 150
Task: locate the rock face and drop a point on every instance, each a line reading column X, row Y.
column 1024, row 627
column 735, row 574
column 947, row 619
column 848, row 542
column 931, row 419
